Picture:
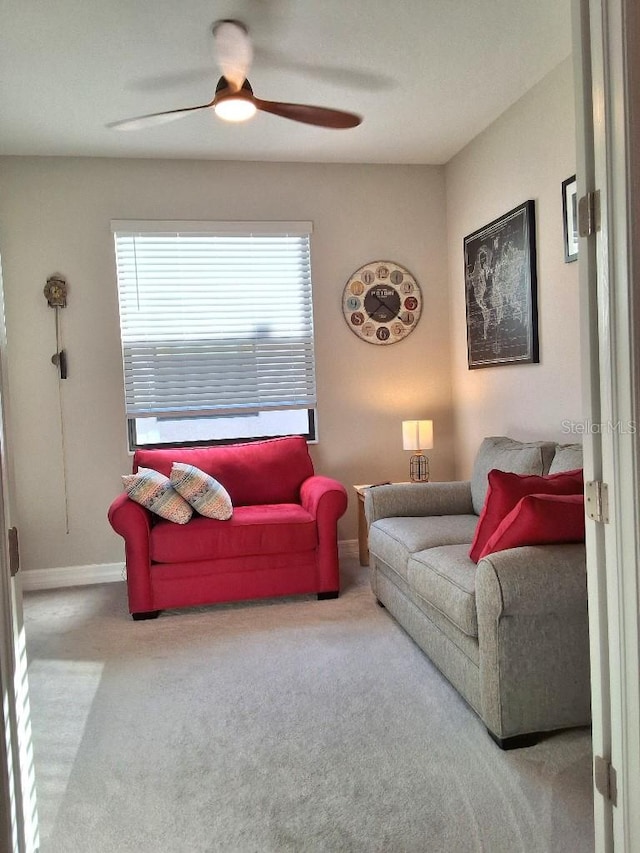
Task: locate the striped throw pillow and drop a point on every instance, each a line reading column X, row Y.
column 205, row 494
column 154, row 491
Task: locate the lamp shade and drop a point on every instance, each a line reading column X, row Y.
column 417, row 435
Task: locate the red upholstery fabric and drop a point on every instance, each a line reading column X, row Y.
column 282, row 539
column 506, row 489
column 190, row 584
column 539, row 520
column 265, row 529
column 259, row 472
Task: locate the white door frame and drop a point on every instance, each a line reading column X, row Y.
column 18, row 815
column 607, row 77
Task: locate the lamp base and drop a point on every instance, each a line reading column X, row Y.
column 419, row 469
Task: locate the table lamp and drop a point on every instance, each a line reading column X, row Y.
column 418, row 436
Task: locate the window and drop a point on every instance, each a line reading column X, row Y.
column 216, row 321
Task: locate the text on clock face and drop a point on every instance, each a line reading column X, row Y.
column 382, row 302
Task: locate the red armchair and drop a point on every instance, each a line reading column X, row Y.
column 281, row 539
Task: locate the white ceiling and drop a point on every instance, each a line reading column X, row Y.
column 426, row 75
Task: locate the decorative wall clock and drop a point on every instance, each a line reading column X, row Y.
column 382, row 302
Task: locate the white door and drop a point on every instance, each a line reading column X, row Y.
column 608, row 98
column 18, row 818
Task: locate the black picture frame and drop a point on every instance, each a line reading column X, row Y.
column 570, row 219
column 501, row 290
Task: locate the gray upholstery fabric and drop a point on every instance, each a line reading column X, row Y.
column 528, row 669
column 505, row 454
column 534, row 639
column 411, row 499
column 539, row 579
column 446, row 578
column 568, row 457
column 458, row 668
column 467, row 645
column 394, row 540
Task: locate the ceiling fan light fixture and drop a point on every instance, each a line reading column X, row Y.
column 234, row 100
column 234, row 108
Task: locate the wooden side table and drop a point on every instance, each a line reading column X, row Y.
column 363, row 530
column 363, row 533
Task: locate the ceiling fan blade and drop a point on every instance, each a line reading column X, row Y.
column 172, row 80
column 234, row 51
column 155, row 118
column 319, row 116
column 338, row 75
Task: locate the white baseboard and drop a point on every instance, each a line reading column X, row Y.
column 71, row 576
column 109, row 572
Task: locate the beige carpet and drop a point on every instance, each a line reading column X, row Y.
column 291, row 725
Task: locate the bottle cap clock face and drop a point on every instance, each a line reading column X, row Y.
column 382, row 302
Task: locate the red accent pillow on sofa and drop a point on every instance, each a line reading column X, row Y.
column 539, row 520
column 506, row 489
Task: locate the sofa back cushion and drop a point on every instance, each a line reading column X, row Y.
column 258, row 472
column 506, row 454
column 567, row 458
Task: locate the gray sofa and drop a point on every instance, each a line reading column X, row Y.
column 510, row 633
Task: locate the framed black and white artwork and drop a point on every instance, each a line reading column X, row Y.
column 501, row 290
column 570, row 219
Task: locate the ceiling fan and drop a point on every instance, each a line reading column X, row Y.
column 234, row 99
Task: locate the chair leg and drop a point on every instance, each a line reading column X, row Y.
column 147, row 614
column 323, row 596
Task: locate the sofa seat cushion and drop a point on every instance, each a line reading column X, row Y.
column 445, row 577
column 264, row 529
column 394, row 540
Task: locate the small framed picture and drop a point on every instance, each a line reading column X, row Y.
column 570, row 218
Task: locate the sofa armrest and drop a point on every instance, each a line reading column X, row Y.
column 133, row 522
column 533, row 637
column 533, row 580
column 417, row 499
column 323, row 495
column 128, row 518
column 326, row 500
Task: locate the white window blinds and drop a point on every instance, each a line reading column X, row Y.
column 216, row 318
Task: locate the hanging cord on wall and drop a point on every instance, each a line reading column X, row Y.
column 55, row 292
column 62, row 375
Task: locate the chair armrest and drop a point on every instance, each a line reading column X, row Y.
column 323, row 496
column 326, row 500
column 417, row 499
column 133, row 522
column 128, row 518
